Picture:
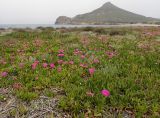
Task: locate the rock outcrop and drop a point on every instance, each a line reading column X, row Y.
column 63, row 20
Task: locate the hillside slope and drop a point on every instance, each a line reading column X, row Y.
column 108, row 13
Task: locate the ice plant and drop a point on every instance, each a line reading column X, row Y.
column 36, row 78
column 52, row 65
column 96, row 61
column 2, row 61
column 83, row 65
column 105, row 93
column 110, row 54
column 71, row 62
column 21, row 65
column 61, row 51
column 45, row 65
column 82, row 56
column 91, row 71
column 60, row 55
column 36, row 62
column 34, row 65
column 76, row 51
column 65, row 62
column 60, row 61
column 17, row 85
column 59, row 69
column 4, row 74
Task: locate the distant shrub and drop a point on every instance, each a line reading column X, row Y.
column 49, row 28
column 158, row 23
column 112, row 33
column 88, row 29
column 41, row 28
column 117, row 32
column 20, row 30
column 2, row 29
column 100, row 30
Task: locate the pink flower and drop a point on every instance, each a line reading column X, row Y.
column 61, row 51
column 4, row 63
column 60, row 55
column 76, row 52
column 60, row 61
column 52, row 65
column 36, row 78
column 105, row 93
column 71, row 62
column 17, row 85
column 91, row 71
column 96, row 61
column 45, row 65
column 59, row 69
column 82, row 56
column 110, row 54
column 4, row 74
column 21, row 65
column 34, row 66
column 83, row 65
column 65, row 62
column 36, row 62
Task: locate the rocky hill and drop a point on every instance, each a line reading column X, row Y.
column 106, row 14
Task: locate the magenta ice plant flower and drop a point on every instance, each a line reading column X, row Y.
column 34, row 65
column 52, row 65
column 4, row 63
column 105, row 93
column 76, row 51
column 59, row 69
column 71, row 62
column 45, row 65
column 83, row 65
column 61, row 51
column 65, row 62
column 82, row 56
column 110, row 54
column 60, row 61
column 36, row 62
column 36, row 78
column 91, row 71
column 4, row 74
column 21, row 65
column 96, row 61
column 60, row 55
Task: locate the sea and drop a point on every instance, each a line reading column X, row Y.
column 33, row 26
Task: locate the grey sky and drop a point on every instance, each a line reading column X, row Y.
column 46, row 11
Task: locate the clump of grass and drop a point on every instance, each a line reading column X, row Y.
column 49, row 93
column 2, row 97
column 26, row 96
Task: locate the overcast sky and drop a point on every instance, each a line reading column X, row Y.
column 46, row 11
